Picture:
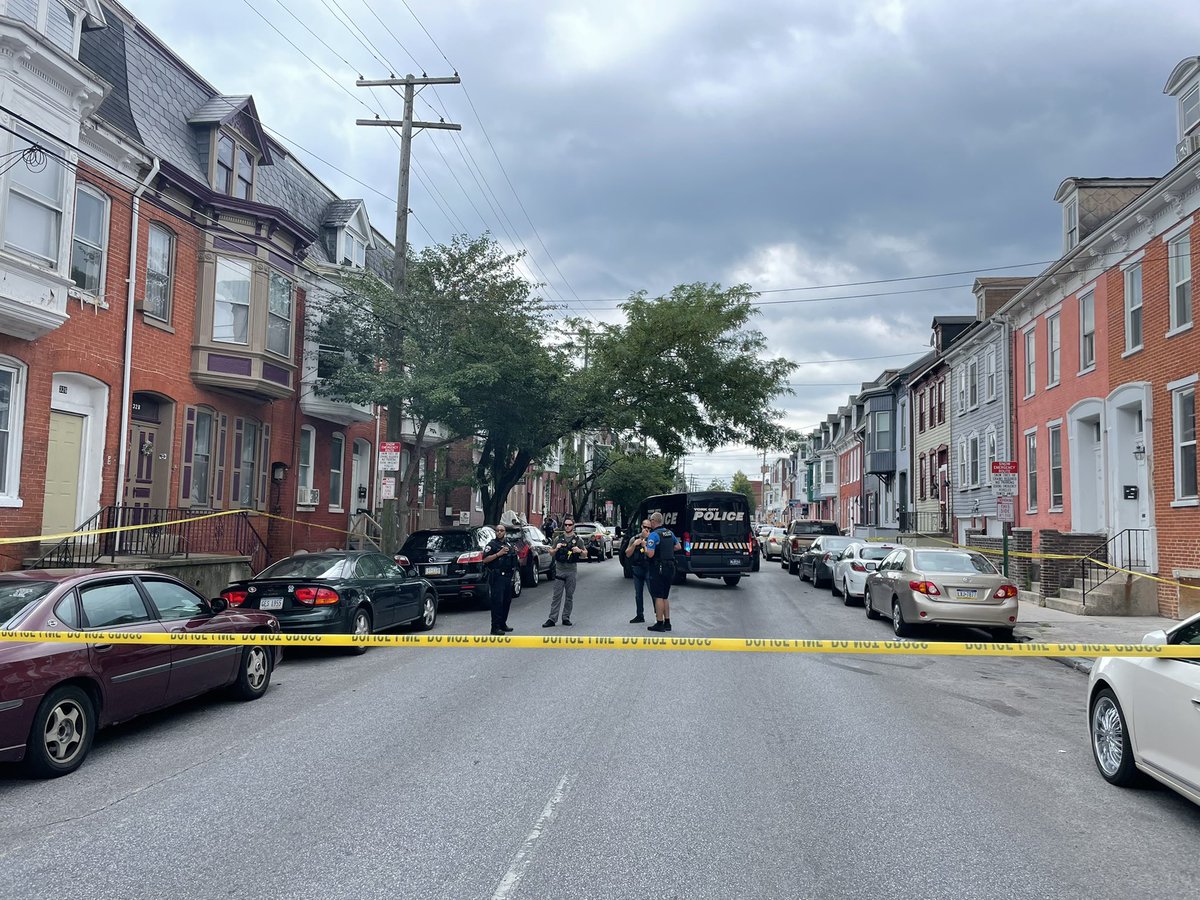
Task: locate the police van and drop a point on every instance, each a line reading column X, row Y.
column 713, row 528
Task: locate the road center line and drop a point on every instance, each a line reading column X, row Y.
column 520, row 862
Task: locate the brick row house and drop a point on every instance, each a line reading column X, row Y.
column 1085, row 376
column 160, row 255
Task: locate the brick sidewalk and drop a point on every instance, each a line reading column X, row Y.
column 1040, row 623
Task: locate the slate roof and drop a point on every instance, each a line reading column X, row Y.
column 339, row 212
column 218, row 110
column 103, row 51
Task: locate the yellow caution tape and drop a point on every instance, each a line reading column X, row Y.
column 589, row 642
column 120, row 528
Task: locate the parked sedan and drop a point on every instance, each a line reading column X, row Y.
column 535, row 559
column 817, row 562
column 53, row 697
column 599, row 544
column 772, row 543
column 941, row 587
column 1144, row 715
column 452, row 560
column 854, row 565
column 338, row 592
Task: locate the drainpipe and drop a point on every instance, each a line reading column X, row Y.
column 127, row 369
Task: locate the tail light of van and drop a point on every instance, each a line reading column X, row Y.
column 233, row 596
column 687, row 544
column 473, row 557
column 928, row 588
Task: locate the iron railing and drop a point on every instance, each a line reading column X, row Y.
column 1128, row 549
column 163, row 534
column 365, row 533
column 913, row 521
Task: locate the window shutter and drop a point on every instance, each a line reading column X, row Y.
column 235, row 491
column 264, row 468
column 189, row 441
column 219, row 488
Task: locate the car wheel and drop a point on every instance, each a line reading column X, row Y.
column 254, row 673
column 847, row 600
column 529, row 575
column 428, row 613
column 870, row 610
column 732, row 580
column 834, row 589
column 782, row 562
column 899, row 626
column 1111, row 748
column 62, row 732
column 796, row 569
column 360, row 625
column 516, row 584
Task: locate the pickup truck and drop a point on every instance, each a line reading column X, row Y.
column 799, row 535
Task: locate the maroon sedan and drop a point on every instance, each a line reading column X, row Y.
column 54, row 696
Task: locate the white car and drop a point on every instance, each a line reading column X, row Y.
column 1144, row 715
column 850, row 572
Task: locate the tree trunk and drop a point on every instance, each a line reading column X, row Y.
column 502, row 479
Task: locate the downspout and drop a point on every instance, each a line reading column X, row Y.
column 127, row 366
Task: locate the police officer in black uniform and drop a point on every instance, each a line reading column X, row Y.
column 660, row 552
column 499, row 558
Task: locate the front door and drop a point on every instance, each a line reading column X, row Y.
column 61, row 506
column 141, row 486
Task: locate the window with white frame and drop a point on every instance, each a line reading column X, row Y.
column 279, row 315
column 1031, row 473
column 1056, row 470
column 231, row 311
column 1179, row 255
column 903, row 416
column 1030, row 362
column 990, row 456
column 90, row 239
column 354, row 249
column 991, row 375
column 304, row 467
column 921, row 479
column 962, row 391
column 973, row 460
column 1189, row 111
column 34, row 208
column 1183, row 406
column 1053, row 349
column 337, row 453
column 963, row 479
column 973, row 383
column 1071, row 222
column 160, row 273
column 883, row 429
column 1133, row 308
column 1087, row 331
column 828, row 475
column 12, row 417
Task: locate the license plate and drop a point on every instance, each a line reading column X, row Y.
column 434, row 570
column 737, row 562
column 270, row 603
column 871, row 566
column 966, row 593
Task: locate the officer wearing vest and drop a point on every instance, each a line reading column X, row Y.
column 639, row 568
column 499, row 559
column 660, row 551
column 568, row 547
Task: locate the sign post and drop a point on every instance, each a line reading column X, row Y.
column 1004, row 482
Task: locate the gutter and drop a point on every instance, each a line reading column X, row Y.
column 127, row 365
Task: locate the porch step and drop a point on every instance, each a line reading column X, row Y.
column 1108, row 599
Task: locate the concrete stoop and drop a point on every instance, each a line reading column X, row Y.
column 1122, row 596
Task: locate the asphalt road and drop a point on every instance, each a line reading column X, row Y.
column 467, row 772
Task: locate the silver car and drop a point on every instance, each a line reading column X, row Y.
column 772, row 543
column 854, row 565
column 1144, row 715
column 920, row 585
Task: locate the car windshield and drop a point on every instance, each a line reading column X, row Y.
column 953, row 562
column 309, row 565
column 15, row 595
column 434, row 541
column 836, row 544
column 810, row 528
column 875, row 552
column 535, row 534
column 585, row 529
column 776, row 532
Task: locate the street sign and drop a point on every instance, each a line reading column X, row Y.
column 1004, row 478
column 389, row 458
column 464, row 517
column 387, row 489
column 1004, row 509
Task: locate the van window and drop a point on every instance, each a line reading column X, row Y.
column 719, row 518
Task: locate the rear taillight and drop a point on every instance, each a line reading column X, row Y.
column 687, row 544
column 233, row 597
column 1005, row 592
column 928, row 588
column 401, row 560
column 858, row 567
column 311, row 596
column 476, row 557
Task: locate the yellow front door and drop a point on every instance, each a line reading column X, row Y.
column 61, row 505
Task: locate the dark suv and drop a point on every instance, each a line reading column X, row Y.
column 535, row 558
column 799, row 535
column 452, row 560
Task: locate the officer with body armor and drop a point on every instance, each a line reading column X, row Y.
column 639, row 568
column 660, row 554
column 499, row 559
column 568, row 547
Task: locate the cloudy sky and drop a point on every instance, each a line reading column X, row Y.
column 791, row 145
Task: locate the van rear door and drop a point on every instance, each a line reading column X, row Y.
column 718, row 541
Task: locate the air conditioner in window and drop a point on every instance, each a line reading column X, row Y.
column 1186, row 147
column 307, row 496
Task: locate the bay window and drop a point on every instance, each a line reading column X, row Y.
column 231, row 310
column 34, row 208
column 279, row 315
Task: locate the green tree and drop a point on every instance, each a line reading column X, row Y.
column 741, row 485
column 717, row 485
column 632, row 477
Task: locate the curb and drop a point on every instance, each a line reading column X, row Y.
column 1083, row 665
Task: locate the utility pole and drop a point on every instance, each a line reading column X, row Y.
column 394, row 508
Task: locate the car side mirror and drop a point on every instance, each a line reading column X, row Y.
column 218, row 605
column 1155, row 637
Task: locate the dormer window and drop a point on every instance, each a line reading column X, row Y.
column 1071, row 222
column 234, row 169
column 354, row 249
column 1189, row 111
column 57, row 20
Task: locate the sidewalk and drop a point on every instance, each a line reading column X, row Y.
column 1044, row 625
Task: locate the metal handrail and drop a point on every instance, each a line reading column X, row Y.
column 74, row 550
column 1126, row 549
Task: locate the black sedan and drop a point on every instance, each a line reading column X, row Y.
column 54, row 696
column 338, row 592
column 818, row 561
